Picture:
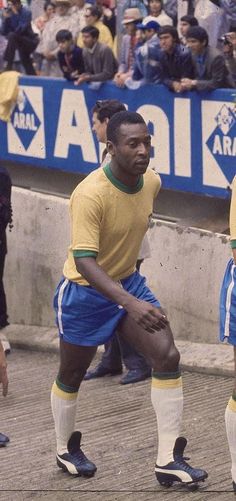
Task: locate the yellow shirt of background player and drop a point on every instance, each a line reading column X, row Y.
column 109, row 221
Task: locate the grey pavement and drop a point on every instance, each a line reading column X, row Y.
column 200, row 357
column 119, row 434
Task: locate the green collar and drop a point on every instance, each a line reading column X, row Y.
column 118, row 184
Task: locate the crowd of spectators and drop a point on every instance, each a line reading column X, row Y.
column 183, row 44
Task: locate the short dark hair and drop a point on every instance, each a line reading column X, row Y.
column 92, row 30
column 63, row 35
column 198, row 33
column 191, row 20
column 47, row 3
column 169, row 30
column 120, row 118
column 95, row 11
column 107, row 108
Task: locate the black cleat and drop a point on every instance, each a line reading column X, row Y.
column 179, row 470
column 74, row 461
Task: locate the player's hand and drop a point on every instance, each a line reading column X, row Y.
column 3, row 372
column 148, row 317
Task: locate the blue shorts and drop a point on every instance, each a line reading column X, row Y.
column 87, row 318
column 228, row 305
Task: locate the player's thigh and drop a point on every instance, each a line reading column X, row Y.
column 158, row 348
column 74, row 361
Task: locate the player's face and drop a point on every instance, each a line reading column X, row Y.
column 132, row 151
column 100, row 128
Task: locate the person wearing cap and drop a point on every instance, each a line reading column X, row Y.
column 16, row 27
column 185, row 23
column 147, row 65
column 93, row 18
column 48, row 46
column 157, row 13
column 210, row 70
column 176, row 61
column 128, row 44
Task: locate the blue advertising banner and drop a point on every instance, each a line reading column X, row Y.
column 193, row 134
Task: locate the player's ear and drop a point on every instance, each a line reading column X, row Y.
column 110, row 148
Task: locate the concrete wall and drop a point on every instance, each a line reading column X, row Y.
column 185, row 270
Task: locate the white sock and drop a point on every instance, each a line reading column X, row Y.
column 230, row 423
column 64, row 412
column 167, row 400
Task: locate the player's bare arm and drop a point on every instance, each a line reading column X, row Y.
column 143, row 313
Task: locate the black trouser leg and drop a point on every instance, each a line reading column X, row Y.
column 25, row 46
column 111, row 358
column 131, row 358
column 3, row 304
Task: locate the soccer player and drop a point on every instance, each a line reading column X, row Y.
column 117, row 348
column 101, row 291
column 228, row 330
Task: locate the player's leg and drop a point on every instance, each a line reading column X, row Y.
column 74, row 361
column 167, row 399
column 228, row 333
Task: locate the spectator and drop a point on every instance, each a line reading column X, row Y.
column 128, row 44
column 93, row 18
column 139, row 4
column 170, row 8
column 108, row 15
column 210, row 69
column 69, row 56
column 176, row 62
column 157, row 13
column 212, row 18
column 49, row 11
column 20, row 36
column 228, row 52
column 78, row 10
column 229, row 7
column 38, row 26
column 48, row 46
column 147, row 66
column 185, row 23
column 99, row 61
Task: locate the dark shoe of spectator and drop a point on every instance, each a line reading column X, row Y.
column 101, row 371
column 135, row 375
column 3, row 440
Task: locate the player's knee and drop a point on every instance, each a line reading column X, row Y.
column 168, row 361
column 72, row 377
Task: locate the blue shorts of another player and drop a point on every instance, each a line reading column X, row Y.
column 228, row 305
column 87, row 318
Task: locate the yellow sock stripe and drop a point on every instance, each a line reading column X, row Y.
column 63, row 394
column 166, row 383
column 232, row 404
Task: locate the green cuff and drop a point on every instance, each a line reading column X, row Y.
column 233, row 244
column 85, row 253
